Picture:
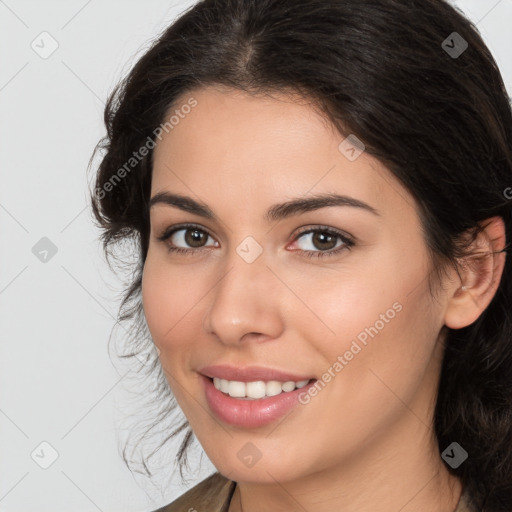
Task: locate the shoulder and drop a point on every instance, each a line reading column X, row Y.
column 211, row 494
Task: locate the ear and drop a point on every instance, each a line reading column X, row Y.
column 480, row 273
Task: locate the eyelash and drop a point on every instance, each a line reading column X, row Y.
column 348, row 242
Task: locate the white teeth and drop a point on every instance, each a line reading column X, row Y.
column 289, row 386
column 256, row 389
column 273, row 388
column 236, row 389
column 224, row 385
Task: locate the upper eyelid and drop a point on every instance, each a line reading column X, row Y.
column 180, row 227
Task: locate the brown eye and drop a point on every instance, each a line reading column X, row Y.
column 320, row 240
column 324, row 242
column 186, row 238
column 194, row 237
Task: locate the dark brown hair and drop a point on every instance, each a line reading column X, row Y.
column 399, row 76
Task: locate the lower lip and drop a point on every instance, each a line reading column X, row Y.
column 251, row 413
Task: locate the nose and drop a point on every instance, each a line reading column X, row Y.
column 245, row 303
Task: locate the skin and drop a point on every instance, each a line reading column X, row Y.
column 366, row 441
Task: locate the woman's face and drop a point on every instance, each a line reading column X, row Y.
column 336, row 292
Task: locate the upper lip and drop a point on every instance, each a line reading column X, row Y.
column 250, row 373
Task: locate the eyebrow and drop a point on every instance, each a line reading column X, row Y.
column 275, row 213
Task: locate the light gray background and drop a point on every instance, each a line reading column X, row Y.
column 57, row 383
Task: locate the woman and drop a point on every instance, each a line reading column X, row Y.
column 320, row 196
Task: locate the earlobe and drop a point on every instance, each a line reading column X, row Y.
column 480, row 274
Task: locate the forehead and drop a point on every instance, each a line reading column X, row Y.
column 258, row 149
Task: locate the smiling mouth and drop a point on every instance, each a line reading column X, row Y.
column 255, row 390
column 245, row 403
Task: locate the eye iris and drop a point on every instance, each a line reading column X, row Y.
column 195, row 239
column 320, row 238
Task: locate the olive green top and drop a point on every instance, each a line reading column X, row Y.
column 214, row 493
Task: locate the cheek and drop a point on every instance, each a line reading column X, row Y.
column 168, row 299
column 373, row 366
column 381, row 316
column 364, row 297
column 170, row 307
